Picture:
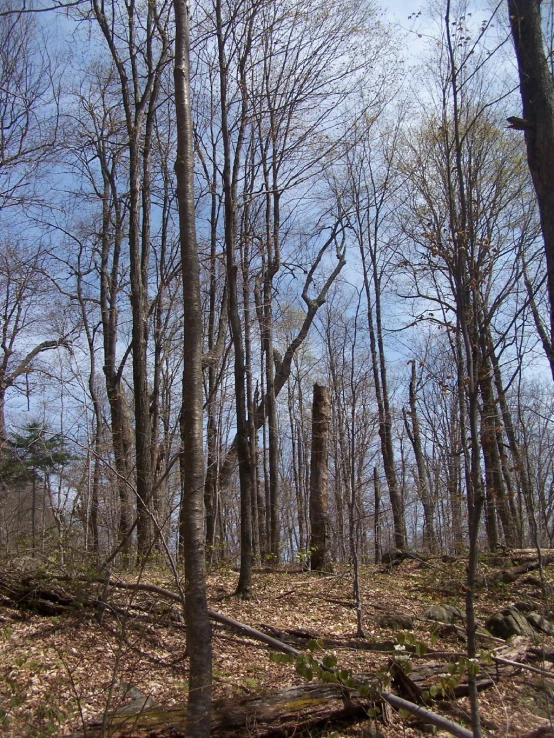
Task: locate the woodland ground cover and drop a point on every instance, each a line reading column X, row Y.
column 60, row 673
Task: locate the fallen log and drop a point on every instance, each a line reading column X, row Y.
column 310, row 705
column 508, row 576
column 519, row 665
column 528, row 554
column 32, row 595
column 281, row 713
column 430, row 717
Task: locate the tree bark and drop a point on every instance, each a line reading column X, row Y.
column 319, row 473
column 537, row 98
column 192, row 459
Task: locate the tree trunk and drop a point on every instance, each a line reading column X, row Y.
column 192, row 461
column 537, row 97
column 110, row 254
column 429, row 534
column 377, row 519
column 378, row 362
column 496, row 489
column 230, row 228
column 319, row 474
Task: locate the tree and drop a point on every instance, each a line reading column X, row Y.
column 469, row 214
column 372, row 178
column 537, row 98
column 428, row 500
column 28, row 135
column 138, row 44
column 24, row 289
column 30, row 458
column 192, row 456
column 29, row 107
column 319, row 523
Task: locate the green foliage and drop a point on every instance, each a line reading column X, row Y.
column 455, row 669
column 326, row 671
column 33, row 453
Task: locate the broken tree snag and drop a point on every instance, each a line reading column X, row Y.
column 319, row 473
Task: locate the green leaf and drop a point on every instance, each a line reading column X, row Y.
column 329, row 660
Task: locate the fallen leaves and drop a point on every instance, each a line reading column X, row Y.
column 58, row 673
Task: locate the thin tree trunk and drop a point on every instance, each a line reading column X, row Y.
column 429, row 534
column 230, row 227
column 378, row 362
column 377, row 518
column 515, row 450
column 192, row 459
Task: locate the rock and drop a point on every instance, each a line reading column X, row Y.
column 539, row 623
column 545, row 731
column 371, row 733
column 546, row 686
column 525, row 607
column 138, row 700
column 508, row 622
column 395, row 554
column 443, row 613
column 396, row 621
column 452, row 586
column 536, row 582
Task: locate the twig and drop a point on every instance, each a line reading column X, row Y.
column 216, row 616
column 542, row 672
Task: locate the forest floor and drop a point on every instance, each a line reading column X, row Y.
column 59, row 673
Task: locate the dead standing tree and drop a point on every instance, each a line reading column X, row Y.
column 319, row 474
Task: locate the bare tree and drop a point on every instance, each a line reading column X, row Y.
column 192, row 456
column 139, row 48
column 29, row 109
column 411, row 423
column 23, row 292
